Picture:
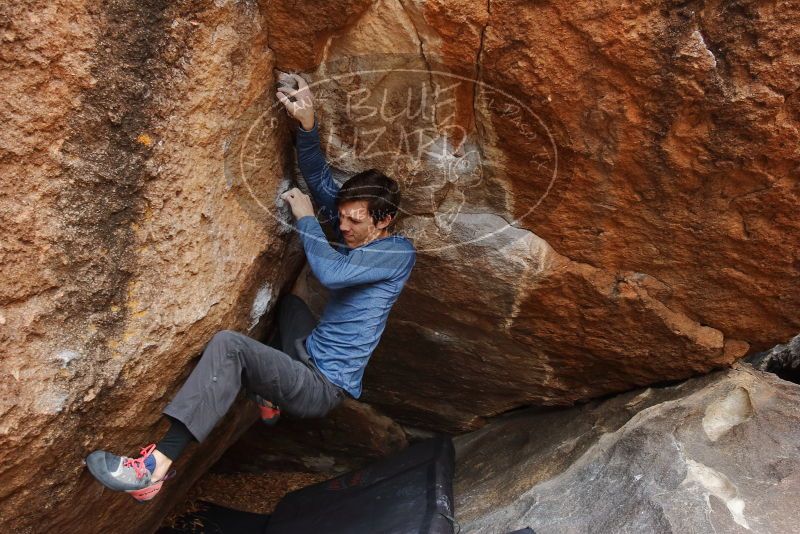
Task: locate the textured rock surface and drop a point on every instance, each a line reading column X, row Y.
column 645, row 155
column 783, row 360
column 128, row 240
column 349, row 438
column 715, row 454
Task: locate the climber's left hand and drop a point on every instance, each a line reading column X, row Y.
column 299, row 202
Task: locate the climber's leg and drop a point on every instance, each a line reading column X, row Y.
column 229, row 360
column 232, row 359
column 174, row 441
column 295, row 321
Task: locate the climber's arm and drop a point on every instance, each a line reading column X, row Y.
column 335, row 270
column 299, row 103
column 317, row 174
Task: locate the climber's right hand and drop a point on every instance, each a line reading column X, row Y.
column 302, row 108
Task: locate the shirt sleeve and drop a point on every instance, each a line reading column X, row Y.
column 362, row 265
column 317, row 174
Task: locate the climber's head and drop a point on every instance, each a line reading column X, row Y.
column 368, row 204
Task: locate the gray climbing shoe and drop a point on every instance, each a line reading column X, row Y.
column 131, row 475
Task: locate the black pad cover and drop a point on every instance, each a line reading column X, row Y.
column 408, row 492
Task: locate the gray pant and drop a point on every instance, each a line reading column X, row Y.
column 288, row 378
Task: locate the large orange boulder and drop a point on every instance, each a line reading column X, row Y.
column 603, row 196
column 129, row 237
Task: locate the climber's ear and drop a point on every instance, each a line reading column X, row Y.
column 383, row 223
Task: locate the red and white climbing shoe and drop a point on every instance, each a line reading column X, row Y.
column 131, row 475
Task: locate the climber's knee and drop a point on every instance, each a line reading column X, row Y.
column 224, row 340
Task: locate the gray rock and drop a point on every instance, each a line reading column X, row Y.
column 783, row 360
column 713, row 454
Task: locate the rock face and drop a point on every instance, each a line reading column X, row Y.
column 715, row 454
column 783, row 360
column 603, row 196
column 129, row 237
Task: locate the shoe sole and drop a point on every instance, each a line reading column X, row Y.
column 145, row 494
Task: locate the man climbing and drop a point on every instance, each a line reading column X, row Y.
column 317, row 364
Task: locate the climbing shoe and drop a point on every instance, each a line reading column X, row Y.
column 131, row 475
column 270, row 413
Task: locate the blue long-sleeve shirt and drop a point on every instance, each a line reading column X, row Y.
column 364, row 282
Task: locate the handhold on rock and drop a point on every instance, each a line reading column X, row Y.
column 285, row 79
